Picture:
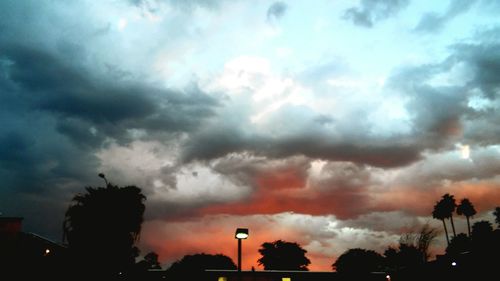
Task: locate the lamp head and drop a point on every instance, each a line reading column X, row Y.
column 241, row 233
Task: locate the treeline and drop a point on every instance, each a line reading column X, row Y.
column 103, row 224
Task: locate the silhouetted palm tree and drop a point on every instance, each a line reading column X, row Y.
column 449, row 206
column 467, row 209
column 438, row 213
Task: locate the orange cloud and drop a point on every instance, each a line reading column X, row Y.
column 288, row 189
column 485, row 196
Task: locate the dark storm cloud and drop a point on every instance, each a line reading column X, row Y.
column 83, row 102
column 58, row 109
column 372, row 11
column 432, row 22
column 276, row 11
column 382, row 153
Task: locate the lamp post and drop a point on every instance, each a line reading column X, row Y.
column 101, row 175
column 241, row 233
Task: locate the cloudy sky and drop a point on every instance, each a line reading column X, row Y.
column 334, row 124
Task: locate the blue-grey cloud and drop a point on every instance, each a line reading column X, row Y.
column 442, row 114
column 372, row 11
column 433, row 22
column 71, row 92
column 216, row 142
column 276, row 11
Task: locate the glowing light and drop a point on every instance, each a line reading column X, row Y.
column 464, row 150
column 241, row 233
column 453, row 264
column 47, row 251
column 388, row 277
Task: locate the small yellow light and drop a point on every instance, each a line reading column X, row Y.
column 47, row 251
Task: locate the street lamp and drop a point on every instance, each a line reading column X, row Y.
column 241, row 233
column 101, row 175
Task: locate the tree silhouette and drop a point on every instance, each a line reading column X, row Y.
column 496, row 213
column 413, row 248
column 282, row 255
column 420, row 240
column 193, row 266
column 440, row 214
column 405, row 256
column 467, row 209
column 358, row 261
column 482, row 236
column 481, row 229
column 392, row 260
column 150, row 261
column 459, row 244
column 101, row 227
column 449, row 206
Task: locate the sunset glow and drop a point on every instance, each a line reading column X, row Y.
column 333, row 124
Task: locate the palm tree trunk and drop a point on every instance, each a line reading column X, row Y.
column 446, row 233
column 453, row 226
column 468, row 225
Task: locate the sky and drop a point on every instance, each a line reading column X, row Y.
column 334, row 124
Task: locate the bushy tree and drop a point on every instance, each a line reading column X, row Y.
column 193, row 266
column 358, row 261
column 101, row 227
column 282, row 255
column 150, row 261
column 459, row 244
